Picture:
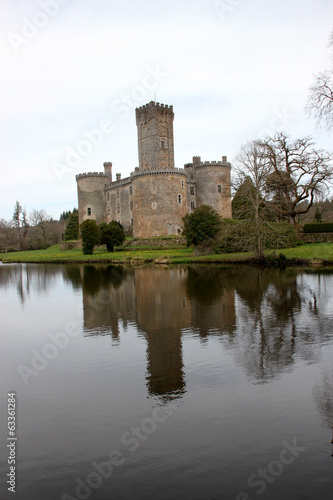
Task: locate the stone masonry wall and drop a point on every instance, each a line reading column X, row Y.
column 91, row 195
column 213, row 188
column 160, row 202
column 118, row 204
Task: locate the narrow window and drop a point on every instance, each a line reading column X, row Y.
column 179, row 198
column 162, row 144
column 131, row 222
column 108, row 196
column 117, row 193
column 89, row 211
column 109, row 210
column 130, row 190
column 182, row 184
column 192, row 205
column 131, row 205
column 118, row 207
column 192, row 190
column 219, row 188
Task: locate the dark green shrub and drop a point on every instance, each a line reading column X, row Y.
column 90, row 236
column 112, row 234
column 203, row 223
column 324, row 227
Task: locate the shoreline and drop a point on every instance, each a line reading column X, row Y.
column 166, row 258
column 314, row 255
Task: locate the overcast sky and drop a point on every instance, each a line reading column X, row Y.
column 73, row 72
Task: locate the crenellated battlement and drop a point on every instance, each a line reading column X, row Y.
column 197, row 163
column 92, row 174
column 218, row 164
column 155, row 105
column 154, row 171
column 151, row 110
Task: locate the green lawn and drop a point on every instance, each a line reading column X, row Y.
column 54, row 254
column 322, row 251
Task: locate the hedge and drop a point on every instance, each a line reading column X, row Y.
column 324, row 227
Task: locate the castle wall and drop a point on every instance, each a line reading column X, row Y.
column 90, row 188
column 159, row 203
column 118, row 200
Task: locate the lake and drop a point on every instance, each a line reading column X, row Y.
column 182, row 382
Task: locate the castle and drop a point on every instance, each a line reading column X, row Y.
column 156, row 196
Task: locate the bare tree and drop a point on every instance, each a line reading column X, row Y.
column 251, row 171
column 320, row 101
column 41, row 219
column 300, row 172
column 39, row 216
column 8, row 235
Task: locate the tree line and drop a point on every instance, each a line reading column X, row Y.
column 34, row 231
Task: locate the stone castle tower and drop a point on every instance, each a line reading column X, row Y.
column 156, row 196
column 155, row 136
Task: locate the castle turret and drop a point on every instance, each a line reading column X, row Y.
column 155, row 136
column 213, row 185
column 108, row 169
column 90, row 190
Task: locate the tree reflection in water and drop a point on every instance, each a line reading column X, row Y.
column 267, row 318
column 323, row 396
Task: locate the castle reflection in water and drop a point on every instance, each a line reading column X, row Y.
column 266, row 318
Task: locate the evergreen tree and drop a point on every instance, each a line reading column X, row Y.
column 112, row 234
column 72, row 227
column 202, row 224
column 90, row 236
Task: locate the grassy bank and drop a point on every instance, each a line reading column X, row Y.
column 54, row 254
column 301, row 254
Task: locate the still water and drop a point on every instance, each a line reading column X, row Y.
column 167, row 383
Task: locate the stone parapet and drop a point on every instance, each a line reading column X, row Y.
column 213, row 164
column 121, row 182
column 92, row 174
column 153, row 171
